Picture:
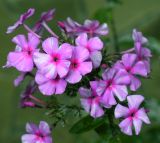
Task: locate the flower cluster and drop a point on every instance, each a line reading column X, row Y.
column 114, row 83
column 54, row 65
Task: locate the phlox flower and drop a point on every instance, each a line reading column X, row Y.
column 22, row 57
column 80, row 65
column 143, row 54
column 91, row 101
column 37, row 134
column 130, row 64
column 48, row 86
column 93, row 45
column 133, row 115
column 21, row 20
column 56, row 60
column 114, row 83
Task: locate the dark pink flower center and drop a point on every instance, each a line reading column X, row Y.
column 55, row 58
column 132, row 113
column 74, row 64
column 128, row 69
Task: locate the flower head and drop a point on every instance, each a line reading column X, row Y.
column 21, row 58
column 93, row 45
column 21, row 20
column 80, row 64
column 56, row 60
column 91, row 101
column 37, row 134
column 49, row 86
column 113, row 84
column 130, row 64
column 133, row 115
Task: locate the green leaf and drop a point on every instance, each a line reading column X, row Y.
column 154, row 45
column 86, row 124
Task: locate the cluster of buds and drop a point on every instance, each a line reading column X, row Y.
column 54, row 65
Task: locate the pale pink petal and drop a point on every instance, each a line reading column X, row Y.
column 95, row 44
column 40, row 78
column 122, row 77
column 21, row 41
column 126, row 126
column 50, row 45
column 29, row 138
column 139, row 69
column 33, row 41
column 85, row 68
column 137, row 125
column 73, row 76
column 96, row 110
column 31, row 128
column 65, row 50
column 84, row 92
column 48, row 139
column 120, row 91
column 135, row 83
column 134, row 101
column 86, row 104
column 109, row 74
column 94, row 84
column 80, row 53
column 81, row 40
column 21, row 61
column 101, row 87
column 44, row 128
column 63, row 68
column 129, row 60
column 141, row 114
column 60, row 86
column 96, row 58
column 121, row 111
column 47, row 88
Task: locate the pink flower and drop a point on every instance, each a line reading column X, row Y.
column 37, row 134
column 56, row 60
column 130, row 64
column 49, row 86
column 80, row 65
column 144, row 54
column 91, row 101
column 21, row 58
column 133, row 115
column 113, row 84
column 21, row 20
column 93, row 45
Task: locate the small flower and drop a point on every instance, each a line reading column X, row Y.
column 80, row 65
column 91, row 101
column 49, row 86
column 133, row 115
column 93, row 45
column 21, row 20
column 56, row 60
column 130, row 64
column 113, row 84
column 144, row 54
column 21, row 58
column 37, row 134
column 45, row 17
column 91, row 27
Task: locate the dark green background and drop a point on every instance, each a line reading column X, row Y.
column 142, row 14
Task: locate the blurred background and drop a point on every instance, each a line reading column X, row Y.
column 141, row 14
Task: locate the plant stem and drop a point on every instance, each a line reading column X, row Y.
column 114, row 33
column 38, row 100
column 49, row 30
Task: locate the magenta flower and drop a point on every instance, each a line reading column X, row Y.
column 49, row 86
column 113, row 84
column 45, row 17
column 21, row 58
column 91, row 27
column 80, row 65
column 130, row 64
column 21, row 20
column 37, row 134
column 56, row 60
column 93, row 45
column 133, row 115
column 144, row 54
column 91, row 101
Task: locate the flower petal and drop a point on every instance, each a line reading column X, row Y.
column 96, row 58
column 65, row 50
column 31, row 128
column 33, row 41
column 86, row 104
column 73, row 76
column 129, row 60
column 29, row 138
column 121, row 111
column 135, row 83
column 81, row 40
column 141, row 114
column 85, row 68
column 44, row 128
column 95, row 44
column 137, row 125
column 60, row 86
column 84, row 92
